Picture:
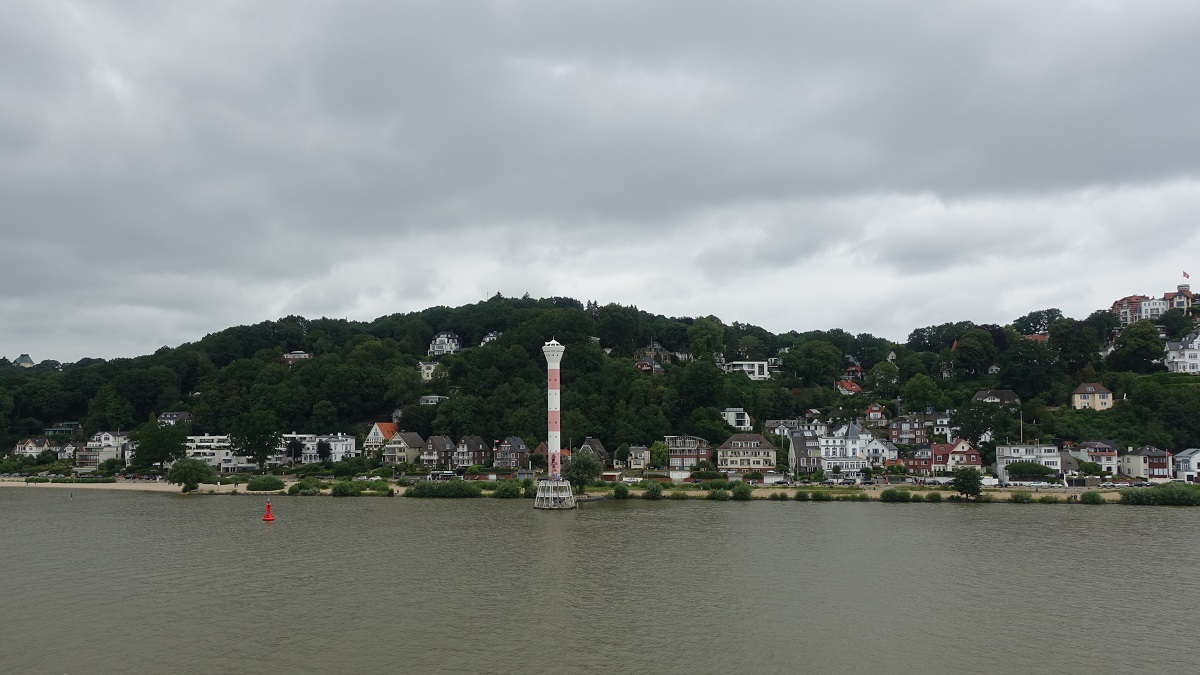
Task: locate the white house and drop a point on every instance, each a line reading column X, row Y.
column 32, row 447
column 755, row 370
column 879, row 451
column 1046, row 455
column 845, row 449
column 639, row 458
column 445, row 342
column 1187, row 464
column 1098, row 452
column 432, row 399
column 737, row 418
column 490, row 337
column 1152, row 308
column 1184, row 356
column 427, row 369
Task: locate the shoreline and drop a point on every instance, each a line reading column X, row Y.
column 763, row 493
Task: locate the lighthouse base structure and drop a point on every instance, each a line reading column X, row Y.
column 554, row 493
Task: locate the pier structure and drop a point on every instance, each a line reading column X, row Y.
column 554, row 491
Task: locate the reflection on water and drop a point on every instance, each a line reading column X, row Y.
column 101, row 581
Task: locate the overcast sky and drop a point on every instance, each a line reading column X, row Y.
column 169, row 169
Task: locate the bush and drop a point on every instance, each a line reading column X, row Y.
column 821, row 496
column 777, row 496
column 1021, row 497
column 894, row 495
column 801, row 496
column 1049, row 499
column 718, row 495
column 529, row 491
column 346, row 488
column 443, row 489
column 507, row 489
column 37, row 479
column 1168, row 494
column 678, row 494
column 933, row 497
column 620, row 491
column 653, row 491
column 1092, row 497
column 742, row 492
column 264, row 484
column 715, row 485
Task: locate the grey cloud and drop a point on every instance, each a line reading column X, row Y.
column 340, row 159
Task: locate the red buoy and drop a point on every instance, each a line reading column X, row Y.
column 268, row 517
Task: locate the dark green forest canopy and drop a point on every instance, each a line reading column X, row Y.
column 360, row 372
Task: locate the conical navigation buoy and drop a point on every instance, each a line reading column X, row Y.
column 268, row 517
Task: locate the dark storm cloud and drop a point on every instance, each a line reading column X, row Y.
column 177, row 168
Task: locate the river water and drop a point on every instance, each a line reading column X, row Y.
column 111, row 582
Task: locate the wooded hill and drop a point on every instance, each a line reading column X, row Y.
column 363, row 371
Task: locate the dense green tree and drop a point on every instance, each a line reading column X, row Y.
column 581, row 468
column 920, row 393
column 1075, row 342
column 1105, row 323
column 1037, row 322
column 295, row 450
column 815, row 363
column 157, row 443
column 256, row 435
column 659, row 454
column 324, row 450
column 1028, row 368
column 1138, row 347
column 968, row 482
column 1176, row 323
column 974, row 352
column 975, row 420
column 190, row 473
column 706, row 337
column 108, row 412
column 883, row 380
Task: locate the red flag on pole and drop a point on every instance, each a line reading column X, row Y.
column 1186, row 275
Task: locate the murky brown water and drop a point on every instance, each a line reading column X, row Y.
column 110, row 582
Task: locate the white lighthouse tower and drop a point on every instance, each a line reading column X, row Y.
column 554, row 492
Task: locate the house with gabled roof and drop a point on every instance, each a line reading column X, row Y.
column 1148, row 463
column 470, row 451
column 32, row 447
column 946, row 457
column 598, row 448
column 848, row 388
column 438, row 450
column 24, row 361
column 378, row 436
column 512, row 453
column 1091, row 395
column 649, row 366
column 1183, row 356
column 746, row 452
column 404, row 447
column 1103, row 453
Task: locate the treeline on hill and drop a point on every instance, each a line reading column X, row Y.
column 361, row 372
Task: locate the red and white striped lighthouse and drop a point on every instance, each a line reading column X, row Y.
column 554, row 352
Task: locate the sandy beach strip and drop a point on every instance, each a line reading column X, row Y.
column 142, row 485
